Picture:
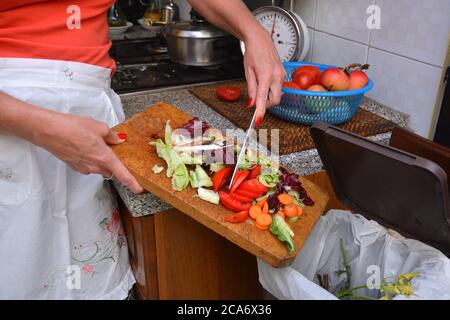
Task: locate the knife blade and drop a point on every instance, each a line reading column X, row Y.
column 207, row 147
column 241, row 155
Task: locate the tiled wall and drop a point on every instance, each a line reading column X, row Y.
column 406, row 55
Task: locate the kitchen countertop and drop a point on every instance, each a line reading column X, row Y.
column 303, row 163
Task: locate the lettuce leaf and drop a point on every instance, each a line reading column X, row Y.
column 283, row 232
column 199, row 178
column 176, row 169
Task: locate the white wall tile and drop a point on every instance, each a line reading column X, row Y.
column 328, row 49
column 311, row 45
column 344, row 18
column 306, row 9
column 414, row 28
column 405, row 85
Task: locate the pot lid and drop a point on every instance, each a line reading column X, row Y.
column 397, row 189
column 198, row 30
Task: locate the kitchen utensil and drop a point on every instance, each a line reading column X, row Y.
column 139, row 157
column 115, row 31
column 289, row 32
column 309, row 107
column 399, row 190
column 170, row 13
column 241, row 157
column 198, row 43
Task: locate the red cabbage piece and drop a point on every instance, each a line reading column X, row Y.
column 289, row 181
column 195, row 126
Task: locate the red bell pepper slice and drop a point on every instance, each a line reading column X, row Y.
column 237, row 217
column 232, row 204
column 241, row 198
column 240, row 176
column 255, row 172
column 220, row 177
column 254, row 186
column 248, row 194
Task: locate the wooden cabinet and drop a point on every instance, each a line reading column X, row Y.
column 175, row 257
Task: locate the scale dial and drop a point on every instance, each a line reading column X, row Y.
column 288, row 31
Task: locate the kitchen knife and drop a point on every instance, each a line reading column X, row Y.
column 205, row 147
column 241, row 155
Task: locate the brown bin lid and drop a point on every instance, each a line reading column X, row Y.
column 399, row 190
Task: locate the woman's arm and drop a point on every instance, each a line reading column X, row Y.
column 79, row 141
column 263, row 68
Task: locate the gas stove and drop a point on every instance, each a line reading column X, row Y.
column 144, row 64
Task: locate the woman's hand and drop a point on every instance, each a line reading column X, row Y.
column 263, row 68
column 82, row 143
column 264, row 73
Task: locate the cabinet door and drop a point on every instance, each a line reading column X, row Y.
column 197, row 263
column 140, row 233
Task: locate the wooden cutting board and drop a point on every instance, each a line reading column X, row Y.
column 293, row 137
column 139, row 157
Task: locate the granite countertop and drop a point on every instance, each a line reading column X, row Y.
column 303, row 163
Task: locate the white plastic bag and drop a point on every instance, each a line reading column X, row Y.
column 368, row 246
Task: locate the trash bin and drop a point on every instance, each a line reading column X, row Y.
column 393, row 245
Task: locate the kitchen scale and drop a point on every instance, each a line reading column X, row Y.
column 289, row 32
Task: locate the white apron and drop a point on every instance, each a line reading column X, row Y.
column 60, row 231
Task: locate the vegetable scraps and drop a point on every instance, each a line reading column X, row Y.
column 260, row 190
column 283, row 232
column 176, row 169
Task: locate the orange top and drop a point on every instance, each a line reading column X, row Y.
column 70, row 30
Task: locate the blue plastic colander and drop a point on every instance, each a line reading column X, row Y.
column 309, row 107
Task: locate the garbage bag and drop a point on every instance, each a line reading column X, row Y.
column 373, row 253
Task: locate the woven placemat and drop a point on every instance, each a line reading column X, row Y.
column 293, row 137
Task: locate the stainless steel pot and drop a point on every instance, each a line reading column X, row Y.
column 197, row 43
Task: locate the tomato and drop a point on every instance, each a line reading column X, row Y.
column 240, row 176
column 358, row 79
column 241, row 198
column 228, row 93
column 335, row 79
column 237, row 217
column 255, row 172
column 305, row 79
column 253, row 185
column 291, row 85
column 317, row 88
column 313, row 69
column 232, row 204
column 220, row 177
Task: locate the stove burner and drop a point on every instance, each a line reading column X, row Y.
column 158, row 49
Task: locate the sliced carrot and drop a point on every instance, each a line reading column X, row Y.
column 290, row 210
column 281, row 214
column 255, row 212
column 300, row 211
column 261, row 227
column 261, row 202
column 265, row 209
column 264, row 220
column 285, row 199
